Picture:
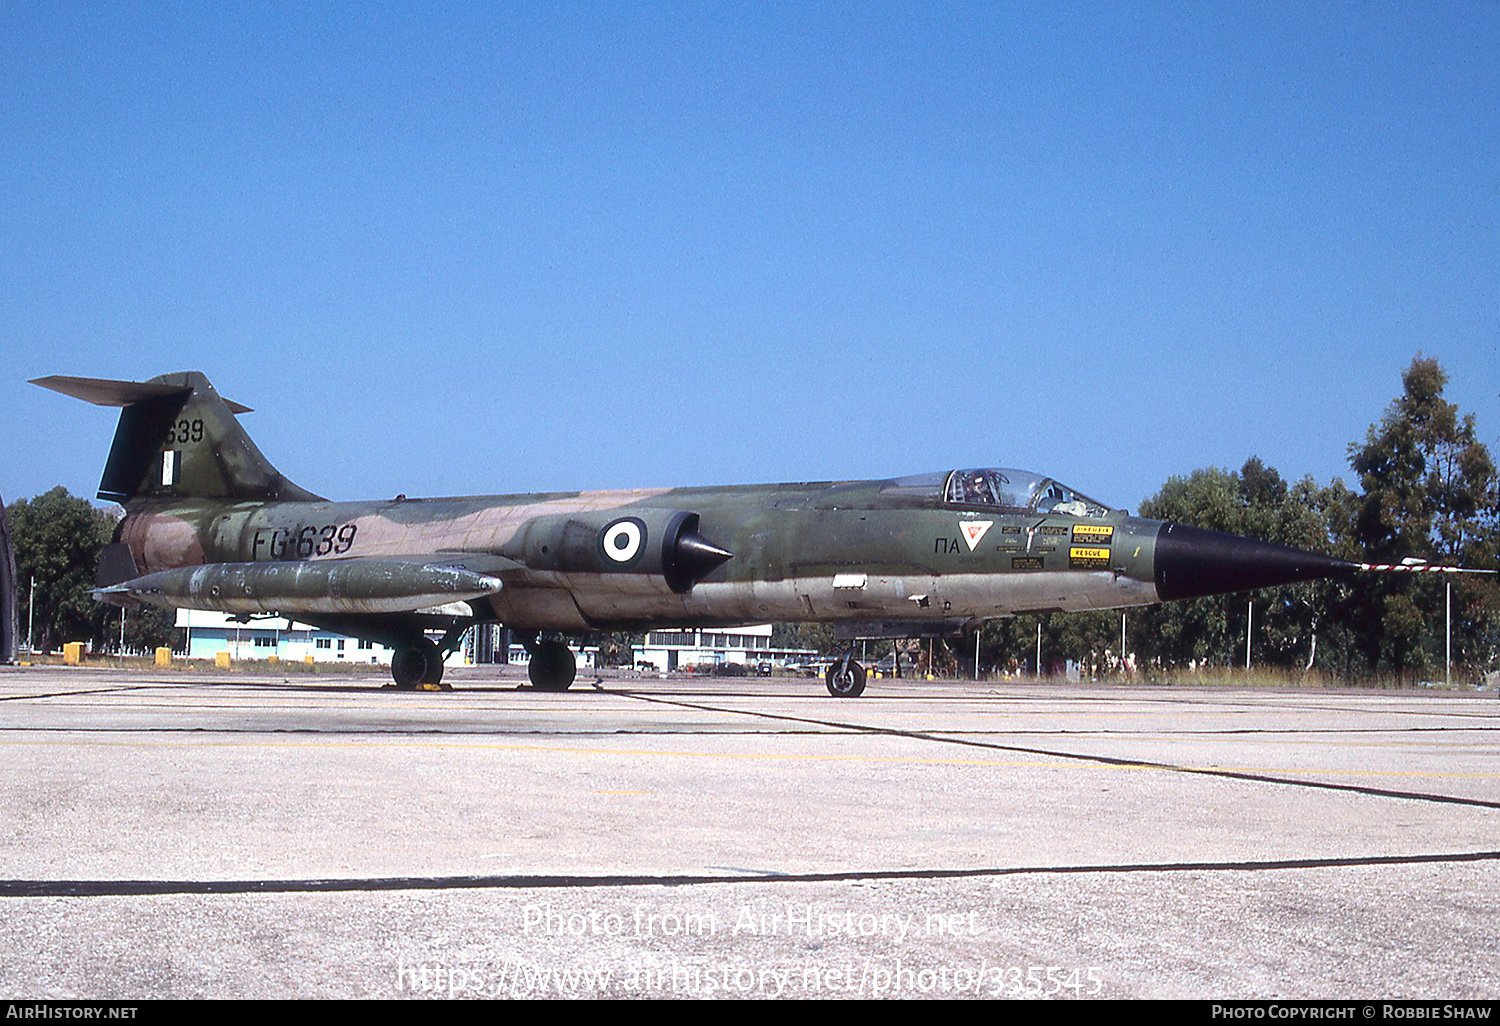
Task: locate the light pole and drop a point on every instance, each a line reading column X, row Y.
column 1448, row 633
column 1122, row 643
column 1249, row 625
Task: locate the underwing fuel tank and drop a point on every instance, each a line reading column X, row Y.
column 328, row 586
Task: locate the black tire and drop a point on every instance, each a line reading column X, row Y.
column 552, row 667
column 434, row 674
column 847, row 684
column 410, row 666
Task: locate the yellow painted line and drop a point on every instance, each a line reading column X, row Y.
column 449, row 746
column 1327, row 740
column 1055, row 762
column 1039, row 706
column 1314, row 771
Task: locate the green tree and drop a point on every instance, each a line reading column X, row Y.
column 1197, row 630
column 1255, row 502
column 816, row 636
column 1296, row 617
column 617, row 648
column 146, row 629
column 57, row 539
column 1430, row 492
column 1091, row 639
column 1008, row 645
column 1005, row 646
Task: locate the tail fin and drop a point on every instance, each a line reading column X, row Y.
column 178, row 438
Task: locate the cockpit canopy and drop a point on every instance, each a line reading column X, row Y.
column 1000, row 488
column 1008, row 488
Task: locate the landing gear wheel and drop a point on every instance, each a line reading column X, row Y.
column 845, row 679
column 552, row 666
column 417, row 665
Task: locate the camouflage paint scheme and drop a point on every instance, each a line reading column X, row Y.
column 936, row 553
column 791, row 543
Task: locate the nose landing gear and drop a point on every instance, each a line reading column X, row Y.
column 846, row 678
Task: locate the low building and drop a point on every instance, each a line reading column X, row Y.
column 209, row 633
column 586, row 657
column 492, row 643
column 684, row 648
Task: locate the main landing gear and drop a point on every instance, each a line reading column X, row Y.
column 417, row 666
column 846, row 678
column 552, row 666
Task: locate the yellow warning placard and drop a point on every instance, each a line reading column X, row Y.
column 1099, row 534
column 1080, row 555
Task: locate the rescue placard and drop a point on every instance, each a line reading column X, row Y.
column 1088, row 557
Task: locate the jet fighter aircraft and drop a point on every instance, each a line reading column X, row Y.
column 210, row 524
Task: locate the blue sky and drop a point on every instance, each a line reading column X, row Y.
column 458, row 249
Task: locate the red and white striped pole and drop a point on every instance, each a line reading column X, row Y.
column 1417, row 566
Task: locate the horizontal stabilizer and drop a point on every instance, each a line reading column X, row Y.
column 320, row 586
column 108, row 392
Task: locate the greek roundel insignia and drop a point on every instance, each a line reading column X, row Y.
column 974, row 530
column 623, row 541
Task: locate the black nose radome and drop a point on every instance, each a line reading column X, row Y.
column 1192, row 562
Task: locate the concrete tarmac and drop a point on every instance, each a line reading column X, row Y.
column 178, row 834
